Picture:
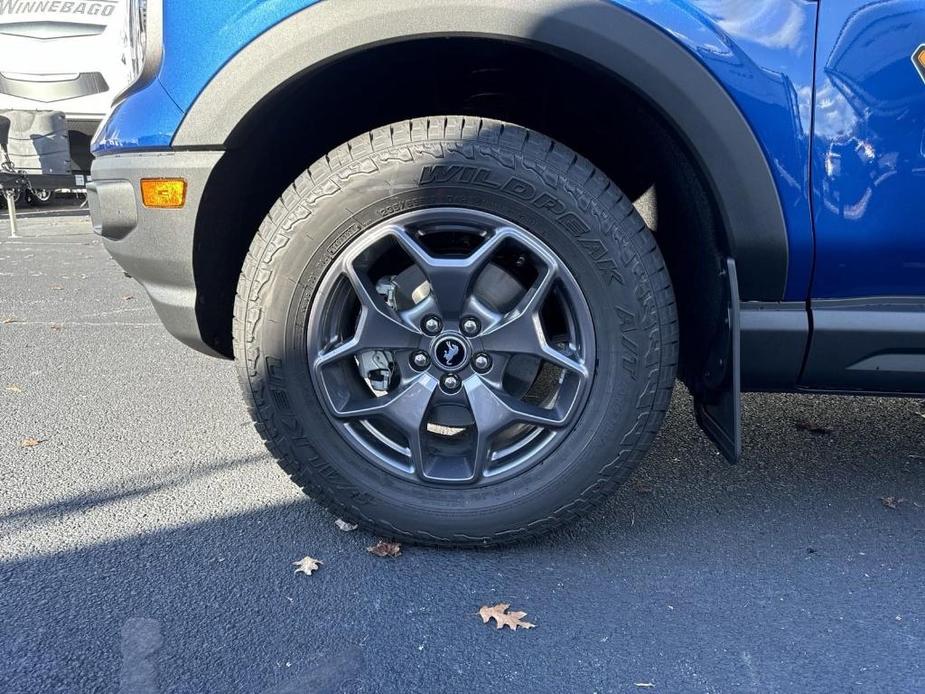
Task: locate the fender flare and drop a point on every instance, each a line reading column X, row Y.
column 616, row 39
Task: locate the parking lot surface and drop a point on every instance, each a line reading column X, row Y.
column 147, row 540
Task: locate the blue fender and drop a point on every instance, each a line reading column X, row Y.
column 760, row 52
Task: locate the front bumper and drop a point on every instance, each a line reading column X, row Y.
column 155, row 246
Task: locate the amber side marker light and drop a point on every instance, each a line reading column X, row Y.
column 919, row 59
column 167, row 193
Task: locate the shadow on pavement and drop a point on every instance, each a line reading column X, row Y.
column 786, row 573
column 131, row 488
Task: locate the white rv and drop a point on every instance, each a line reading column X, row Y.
column 72, row 57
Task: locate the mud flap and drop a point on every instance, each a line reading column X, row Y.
column 719, row 405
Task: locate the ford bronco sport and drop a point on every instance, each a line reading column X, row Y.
column 460, row 250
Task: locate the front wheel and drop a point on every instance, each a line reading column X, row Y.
column 456, row 331
column 41, row 197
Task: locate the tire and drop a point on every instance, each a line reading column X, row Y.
column 41, row 198
column 475, row 166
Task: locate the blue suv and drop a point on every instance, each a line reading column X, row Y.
column 460, row 250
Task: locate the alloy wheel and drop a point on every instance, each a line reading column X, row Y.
column 451, row 347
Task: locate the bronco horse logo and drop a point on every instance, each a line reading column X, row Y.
column 450, row 353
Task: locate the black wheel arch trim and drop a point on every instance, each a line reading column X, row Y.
column 637, row 52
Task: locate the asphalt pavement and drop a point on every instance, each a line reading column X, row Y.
column 147, row 540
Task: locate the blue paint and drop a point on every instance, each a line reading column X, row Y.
column 761, row 51
column 146, row 120
column 869, row 150
column 200, row 37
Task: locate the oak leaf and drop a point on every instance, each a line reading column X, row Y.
column 385, row 549
column 30, row 442
column 13, row 388
column 503, row 618
column 307, row 565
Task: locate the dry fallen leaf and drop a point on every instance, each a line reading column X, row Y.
column 344, row 526
column 307, row 565
column 128, row 297
column 891, row 501
column 57, row 287
column 56, row 327
column 7, row 321
column 813, row 428
column 503, row 618
column 385, row 549
column 31, row 441
column 13, row 388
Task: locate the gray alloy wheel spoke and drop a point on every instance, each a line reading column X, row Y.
column 376, row 328
column 405, row 409
column 493, row 410
column 343, row 350
column 417, row 313
column 563, row 361
column 521, row 330
column 450, row 279
column 416, row 449
column 381, row 322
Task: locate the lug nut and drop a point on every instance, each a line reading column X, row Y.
column 431, row 325
column 450, row 383
column 470, row 326
column 481, row 363
column 420, row 360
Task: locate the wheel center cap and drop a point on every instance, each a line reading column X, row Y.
column 450, row 352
